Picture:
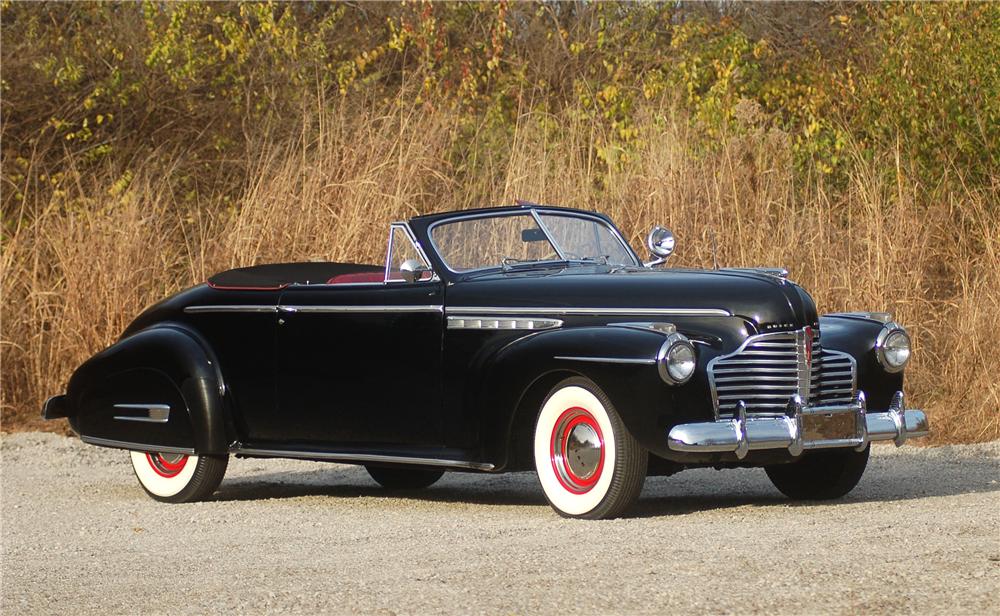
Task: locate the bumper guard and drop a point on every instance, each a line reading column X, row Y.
column 743, row 434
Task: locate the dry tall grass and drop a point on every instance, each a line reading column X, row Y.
column 76, row 271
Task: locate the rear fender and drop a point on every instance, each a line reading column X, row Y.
column 158, row 388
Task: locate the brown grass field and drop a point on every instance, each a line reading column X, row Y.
column 89, row 259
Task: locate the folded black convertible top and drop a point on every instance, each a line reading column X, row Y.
column 276, row 275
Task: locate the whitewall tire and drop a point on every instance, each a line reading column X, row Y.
column 588, row 464
column 178, row 478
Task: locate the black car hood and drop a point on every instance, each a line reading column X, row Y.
column 768, row 301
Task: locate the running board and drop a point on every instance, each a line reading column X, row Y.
column 107, row 442
column 359, row 457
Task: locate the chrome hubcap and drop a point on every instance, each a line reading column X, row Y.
column 583, row 451
column 171, row 459
column 577, row 450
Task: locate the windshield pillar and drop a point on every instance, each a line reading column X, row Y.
column 545, row 230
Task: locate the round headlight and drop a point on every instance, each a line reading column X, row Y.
column 892, row 348
column 677, row 359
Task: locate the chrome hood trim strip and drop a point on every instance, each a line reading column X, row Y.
column 313, row 309
column 567, row 311
column 230, row 308
column 361, row 309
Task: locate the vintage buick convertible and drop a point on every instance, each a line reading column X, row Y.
column 504, row 339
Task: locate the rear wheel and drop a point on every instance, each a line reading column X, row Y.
column 820, row 475
column 178, row 478
column 587, row 462
column 398, row 478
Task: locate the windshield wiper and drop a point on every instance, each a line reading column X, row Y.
column 510, row 263
column 602, row 259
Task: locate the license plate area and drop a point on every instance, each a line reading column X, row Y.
column 824, row 427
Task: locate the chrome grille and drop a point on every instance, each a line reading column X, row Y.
column 768, row 369
column 837, row 379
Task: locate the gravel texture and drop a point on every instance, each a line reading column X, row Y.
column 920, row 534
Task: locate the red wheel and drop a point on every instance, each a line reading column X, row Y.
column 167, row 464
column 577, row 450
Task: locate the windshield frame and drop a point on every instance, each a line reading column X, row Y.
column 534, row 213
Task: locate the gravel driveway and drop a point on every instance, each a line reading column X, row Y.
column 920, row 534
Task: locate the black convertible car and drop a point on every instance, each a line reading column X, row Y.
column 503, row 339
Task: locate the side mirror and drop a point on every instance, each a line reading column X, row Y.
column 660, row 242
column 412, row 270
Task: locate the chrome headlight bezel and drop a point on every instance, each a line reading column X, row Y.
column 886, row 346
column 677, row 359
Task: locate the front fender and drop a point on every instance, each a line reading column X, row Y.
column 856, row 336
column 516, row 375
column 165, row 366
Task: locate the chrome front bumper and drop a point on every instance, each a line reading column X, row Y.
column 743, row 434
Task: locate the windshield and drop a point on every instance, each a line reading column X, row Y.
column 586, row 238
column 509, row 240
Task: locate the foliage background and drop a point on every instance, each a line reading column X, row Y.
column 146, row 145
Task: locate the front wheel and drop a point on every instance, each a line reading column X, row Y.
column 820, row 475
column 178, row 478
column 587, row 462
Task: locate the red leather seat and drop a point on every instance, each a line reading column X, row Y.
column 357, row 277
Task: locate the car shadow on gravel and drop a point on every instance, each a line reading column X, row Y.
column 893, row 479
column 518, row 489
column 886, row 480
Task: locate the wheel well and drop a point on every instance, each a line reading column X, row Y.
column 520, row 455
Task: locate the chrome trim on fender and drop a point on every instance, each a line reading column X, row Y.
column 107, row 442
column 336, row 285
column 742, row 434
column 777, row 272
column 608, row 360
column 361, row 457
column 879, row 317
column 155, row 413
column 672, row 312
column 495, row 323
column 662, row 328
column 230, row 308
column 360, row 309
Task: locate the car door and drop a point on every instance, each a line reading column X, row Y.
column 359, row 364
